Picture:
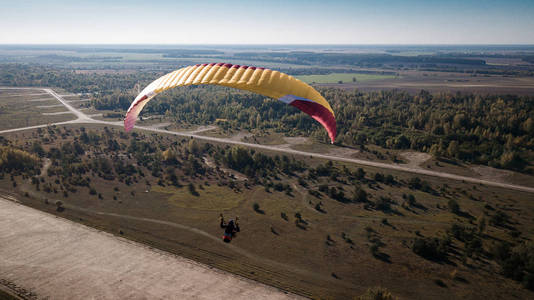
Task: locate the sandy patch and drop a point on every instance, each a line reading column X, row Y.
column 415, row 159
column 240, row 136
column 492, row 174
column 343, row 152
column 291, row 141
column 202, row 128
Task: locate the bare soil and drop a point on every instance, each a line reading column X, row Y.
column 415, row 159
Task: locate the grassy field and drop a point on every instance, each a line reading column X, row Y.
column 20, row 108
column 343, row 77
column 330, row 254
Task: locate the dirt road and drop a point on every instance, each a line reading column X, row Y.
column 59, row 259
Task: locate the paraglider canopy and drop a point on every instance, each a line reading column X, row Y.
column 263, row 81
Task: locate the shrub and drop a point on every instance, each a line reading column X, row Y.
column 454, row 207
column 499, row 219
column 440, row 283
column 360, row 195
column 192, row 189
column 376, row 293
column 379, row 177
column 314, row 193
column 430, row 248
column 59, row 206
column 411, row 200
column 383, row 204
column 257, row 209
column 374, row 248
column 516, row 263
column 319, row 208
column 414, row 183
column 390, row 179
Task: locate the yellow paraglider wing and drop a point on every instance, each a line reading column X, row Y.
column 262, row 81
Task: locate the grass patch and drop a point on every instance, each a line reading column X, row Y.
column 212, row 197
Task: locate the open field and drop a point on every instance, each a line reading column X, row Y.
column 19, row 108
column 314, row 259
column 413, row 82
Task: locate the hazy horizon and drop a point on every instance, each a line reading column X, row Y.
column 337, row 22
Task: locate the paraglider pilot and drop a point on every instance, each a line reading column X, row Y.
column 230, row 229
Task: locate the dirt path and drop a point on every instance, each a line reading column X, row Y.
column 59, row 259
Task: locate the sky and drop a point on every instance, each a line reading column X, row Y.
column 266, row 22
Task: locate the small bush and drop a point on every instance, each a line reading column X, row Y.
column 360, row 195
column 192, row 189
column 499, row 219
column 59, row 206
column 454, row 207
column 430, row 248
column 257, row 209
column 383, row 204
column 379, row 177
column 376, row 293
column 440, row 283
column 411, row 200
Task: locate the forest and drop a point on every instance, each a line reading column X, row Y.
column 491, row 130
column 494, row 130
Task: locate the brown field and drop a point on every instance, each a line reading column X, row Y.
column 18, row 110
column 312, row 260
column 415, row 81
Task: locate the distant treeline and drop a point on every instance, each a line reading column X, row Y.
column 314, row 58
column 65, row 58
column 38, row 75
